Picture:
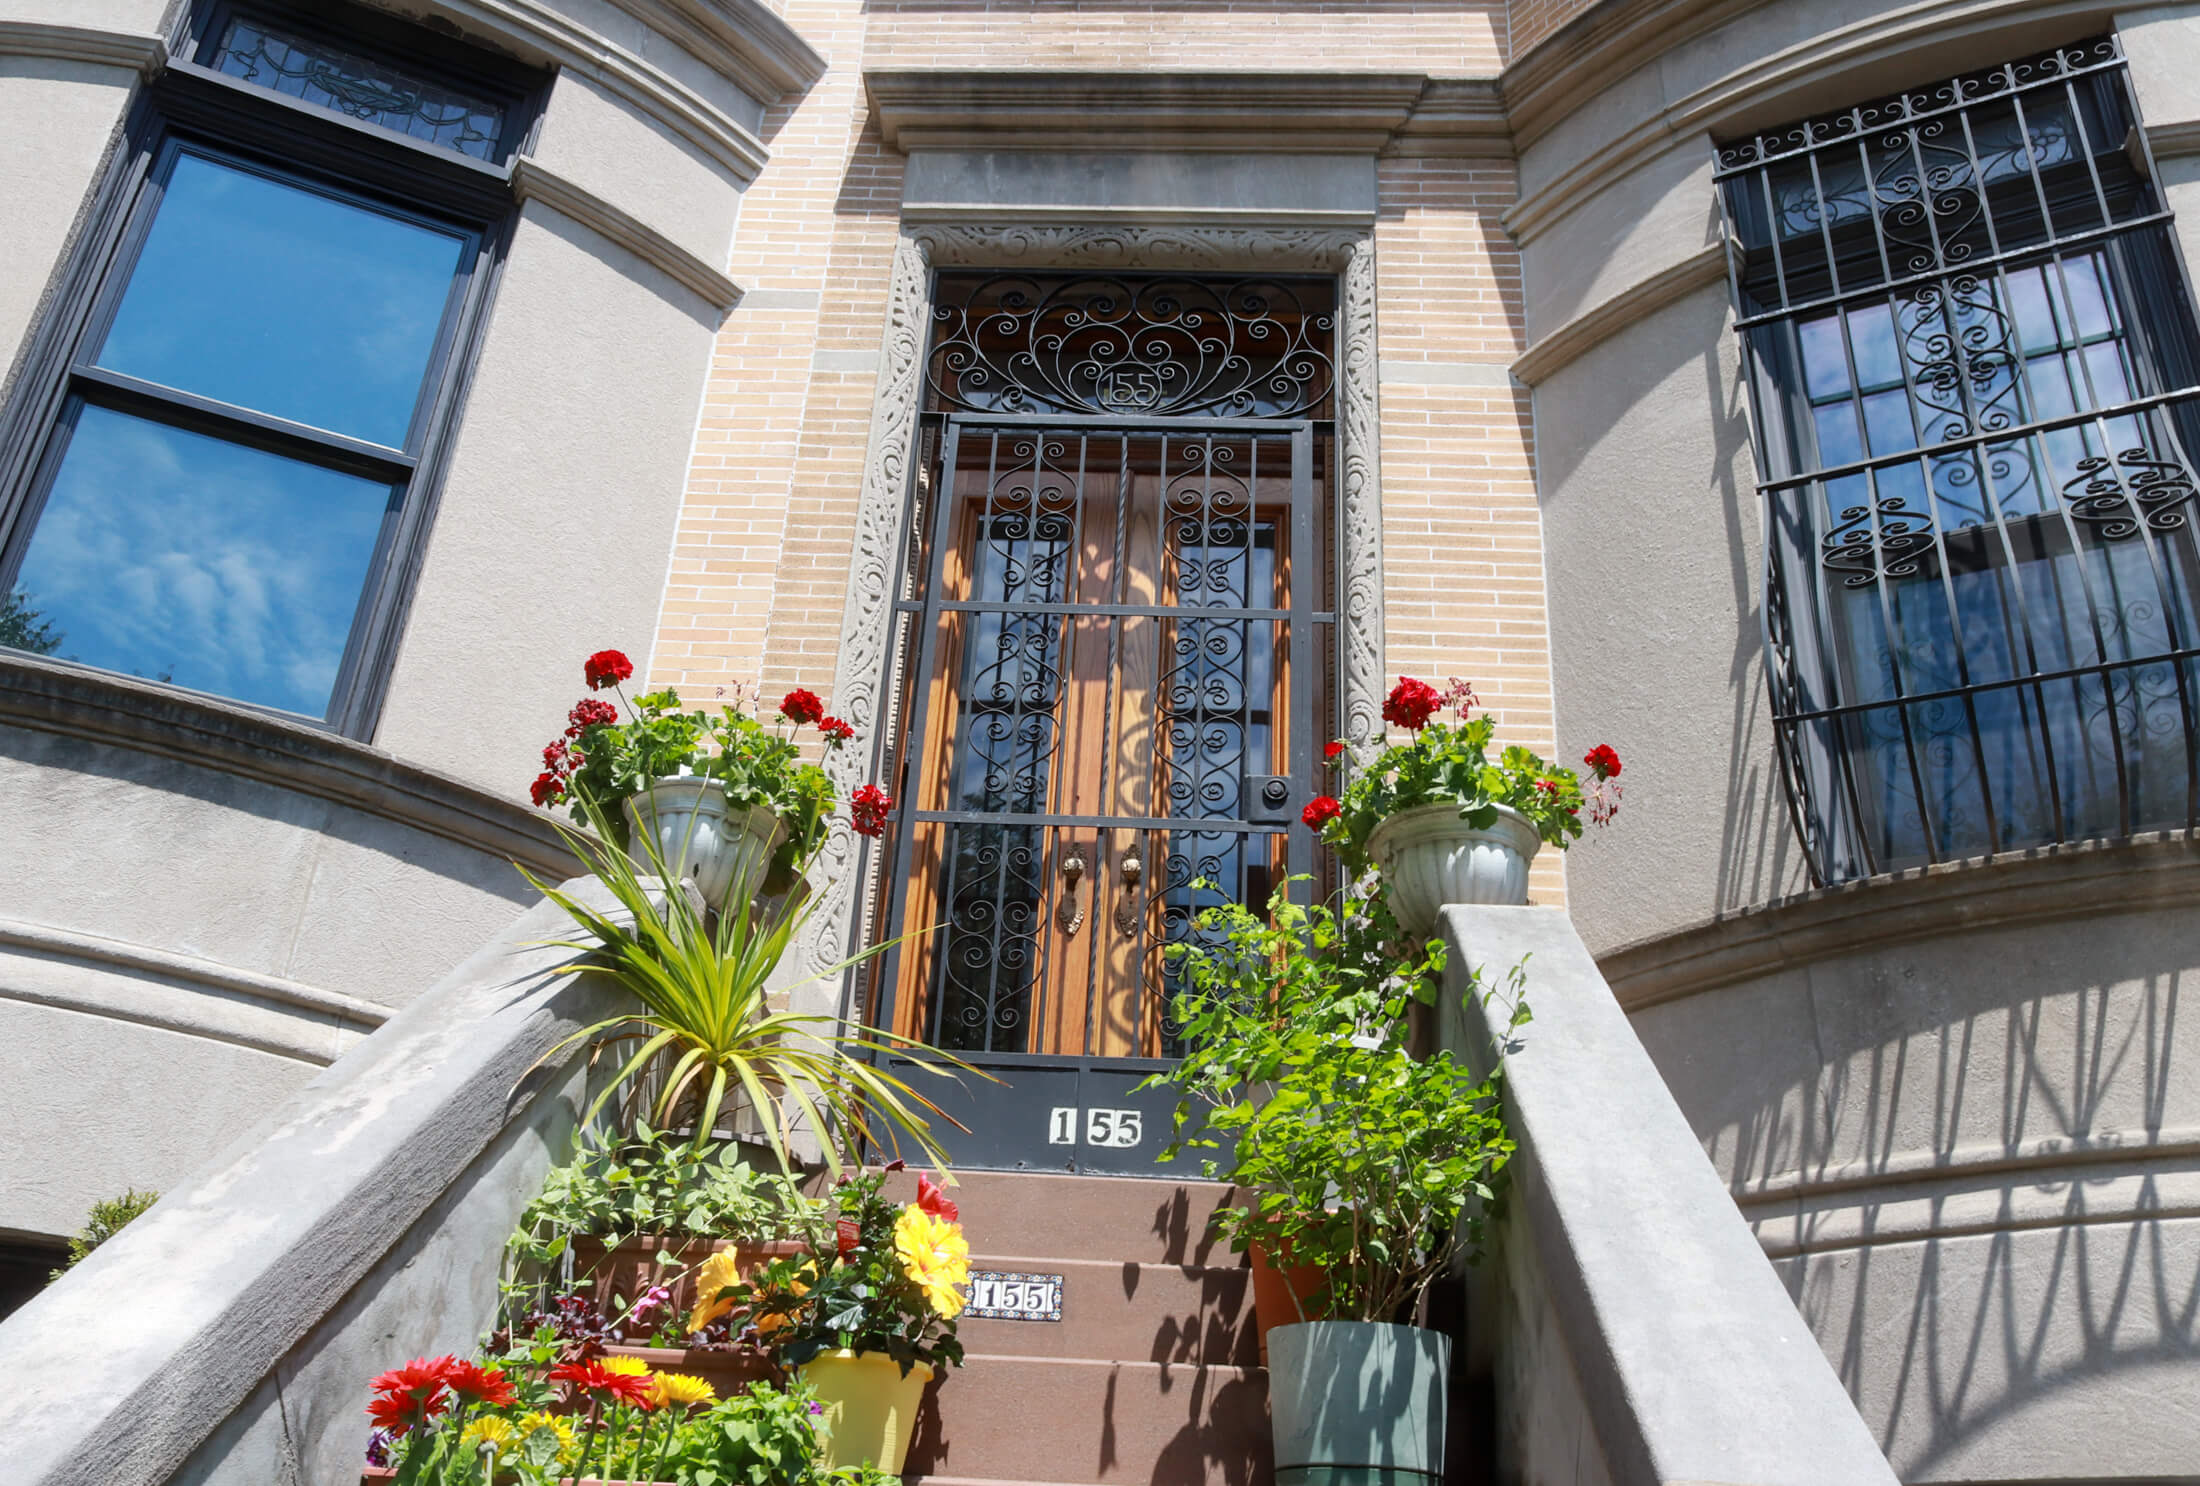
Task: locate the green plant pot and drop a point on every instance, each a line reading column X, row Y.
column 1357, row 1403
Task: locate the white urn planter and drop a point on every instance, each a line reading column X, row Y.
column 1430, row 857
column 699, row 836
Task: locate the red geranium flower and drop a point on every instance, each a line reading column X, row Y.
column 1321, row 811
column 801, row 705
column 867, row 808
column 593, row 1377
column 586, row 713
column 488, row 1384
column 546, row 788
column 932, row 1199
column 1547, row 786
column 835, row 730
column 606, row 668
column 1411, row 704
column 1602, row 759
column 1331, row 750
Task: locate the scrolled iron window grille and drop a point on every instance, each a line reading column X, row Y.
column 1974, row 375
column 361, row 87
column 1164, row 347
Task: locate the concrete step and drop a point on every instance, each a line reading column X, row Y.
column 1137, row 1312
column 1059, row 1216
column 1093, row 1423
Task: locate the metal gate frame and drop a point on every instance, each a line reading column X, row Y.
column 1036, row 1088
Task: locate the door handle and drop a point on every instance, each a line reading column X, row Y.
column 1130, row 869
column 1070, row 916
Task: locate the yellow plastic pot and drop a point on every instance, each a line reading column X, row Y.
column 870, row 1408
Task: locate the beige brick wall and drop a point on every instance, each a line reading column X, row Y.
column 1462, row 544
column 758, row 580
column 1534, row 20
column 1433, row 36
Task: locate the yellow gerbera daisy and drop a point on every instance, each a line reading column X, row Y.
column 491, row 1432
column 632, row 1367
column 718, row 1272
column 679, row 1388
column 535, row 1423
column 933, row 1253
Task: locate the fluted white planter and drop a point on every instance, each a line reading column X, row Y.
column 700, row 836
column 1430, row 857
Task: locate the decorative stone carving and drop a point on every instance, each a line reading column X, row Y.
column 860, row 676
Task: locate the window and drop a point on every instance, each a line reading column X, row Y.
column 1975, row 380
column 219, row 473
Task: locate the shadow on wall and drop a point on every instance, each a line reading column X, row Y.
column 1976, row 1162
column 1652, row 538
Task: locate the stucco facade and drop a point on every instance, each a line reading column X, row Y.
column 1948, row 1100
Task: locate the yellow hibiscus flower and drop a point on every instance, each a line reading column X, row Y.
column 717, row 1273
column 933, row 1253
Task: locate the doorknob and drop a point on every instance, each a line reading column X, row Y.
column 1071, row 915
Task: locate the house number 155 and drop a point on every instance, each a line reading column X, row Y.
column 1120, row 1128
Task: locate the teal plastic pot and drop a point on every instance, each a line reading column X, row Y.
column 1357, row 1403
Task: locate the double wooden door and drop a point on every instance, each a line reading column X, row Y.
column 1112, row 723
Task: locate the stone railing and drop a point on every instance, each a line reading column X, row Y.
column 1633, row 1330
column 228, row 1335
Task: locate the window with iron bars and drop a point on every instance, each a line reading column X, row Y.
column 1974, row 377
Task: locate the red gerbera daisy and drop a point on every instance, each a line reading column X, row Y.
column 488, row 1384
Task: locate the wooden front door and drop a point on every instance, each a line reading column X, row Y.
column 1115, row 712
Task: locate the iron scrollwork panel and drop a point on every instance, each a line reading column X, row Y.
column 1976, row 460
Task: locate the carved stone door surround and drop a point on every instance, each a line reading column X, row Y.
column 875, row 578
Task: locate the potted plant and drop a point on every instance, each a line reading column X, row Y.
column 631, row 1221
column 727, row 797
column 538, row 1414
column 704, row 1030
column 1357, row 1158
column 1441, row 819
column 868, row 1326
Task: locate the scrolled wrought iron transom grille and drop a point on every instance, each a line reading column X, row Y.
column 350, row 82
column 1118, row 658
column 1132, row 344
column 1974, row 375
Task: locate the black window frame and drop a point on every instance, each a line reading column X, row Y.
column 1804, row 255
column 191, row 108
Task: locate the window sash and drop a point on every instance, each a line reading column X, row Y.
column 190, row 108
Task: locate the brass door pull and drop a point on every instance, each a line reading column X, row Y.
column 1130, row 869
column 1071, row 915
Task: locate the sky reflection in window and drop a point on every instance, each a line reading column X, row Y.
column 286, row 301
column 179, row 557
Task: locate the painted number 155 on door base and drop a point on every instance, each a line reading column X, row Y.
column 1117, row 1128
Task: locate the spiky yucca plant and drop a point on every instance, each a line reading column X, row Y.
column 705, row 1012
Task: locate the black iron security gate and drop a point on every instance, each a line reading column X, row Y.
column 1116, row 680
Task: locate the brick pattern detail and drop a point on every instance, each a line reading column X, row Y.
column 758, row 576
column 1531, row 21
column 1443, row 39
column 1462, row 537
